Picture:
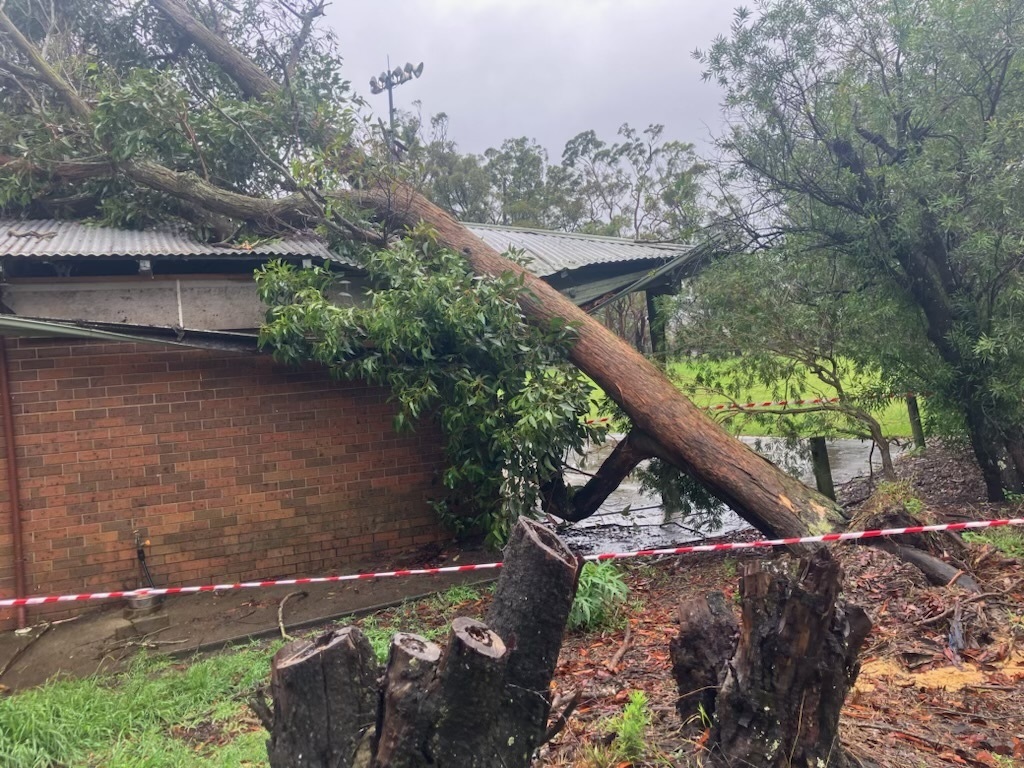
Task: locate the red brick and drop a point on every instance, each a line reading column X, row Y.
column 235, row 466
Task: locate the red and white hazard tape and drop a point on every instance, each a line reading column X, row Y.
column 761, row 544
column 769, row 404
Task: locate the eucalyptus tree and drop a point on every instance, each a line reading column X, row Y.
column 890, row 134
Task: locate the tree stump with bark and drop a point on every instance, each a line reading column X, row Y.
column 706, row 639
column 794, row 661
column 480, row 701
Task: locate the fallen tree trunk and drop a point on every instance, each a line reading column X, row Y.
column 795, row 659
column 481, row 701
column 766, row 497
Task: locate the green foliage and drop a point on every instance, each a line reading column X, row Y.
column 630, row 730
column 155, row 99
column 453, row 347
column 125, row 720
column 683, row 499
column 1008, row 540
column 798, row 331
column 599, row 597
column 641, row 186
column 882, row 143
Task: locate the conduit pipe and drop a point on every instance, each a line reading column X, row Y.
column 13, row 489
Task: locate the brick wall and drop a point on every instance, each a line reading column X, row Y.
column 233, row 467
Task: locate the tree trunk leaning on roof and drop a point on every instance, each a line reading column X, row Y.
column 767, row 498
column 773, row 502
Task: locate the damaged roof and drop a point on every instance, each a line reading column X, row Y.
column 550, row 253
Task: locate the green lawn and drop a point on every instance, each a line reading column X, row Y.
column 894, row 419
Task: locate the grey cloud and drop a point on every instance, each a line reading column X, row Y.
column 542, row 70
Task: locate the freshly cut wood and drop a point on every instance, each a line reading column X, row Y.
column 403, row 728
column 699, row 653
column 325, row 701
column 795, row 661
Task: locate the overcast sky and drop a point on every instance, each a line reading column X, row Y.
column 545, row 69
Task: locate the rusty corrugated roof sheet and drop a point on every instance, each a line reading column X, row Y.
column 553, row 252
column 55, row 239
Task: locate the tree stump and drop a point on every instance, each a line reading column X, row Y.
column 481, row 701
column 325, row 700
column 706, row 639
column 795, row 660
column 403, row 728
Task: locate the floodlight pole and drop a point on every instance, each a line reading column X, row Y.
column 388, row 80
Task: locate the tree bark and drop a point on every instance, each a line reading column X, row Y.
column 578, row 503
column 699, row 653
column 795, row 661
column 464, row 698
column 530, row 609
column 766, row 497
column 325, row 701
column 402, row 729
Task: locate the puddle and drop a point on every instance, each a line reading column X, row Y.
column 630, row 519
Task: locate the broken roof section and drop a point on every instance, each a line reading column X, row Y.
column 588, row 269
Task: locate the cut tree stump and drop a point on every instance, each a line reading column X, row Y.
column 795, row 660
column 481, row 701
column 706, row 640
column 325, row 700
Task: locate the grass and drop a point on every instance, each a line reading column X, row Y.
column 1008, row 540
column 164, row 714
column 893, row 419
column 141, row 718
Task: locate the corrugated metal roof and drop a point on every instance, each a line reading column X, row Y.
column 55, row 239
column 552, row 252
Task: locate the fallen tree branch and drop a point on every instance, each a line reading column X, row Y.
column 565, row 705
column 280, row 612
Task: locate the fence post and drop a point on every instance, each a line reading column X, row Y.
column 915, row 421
column 822, row 469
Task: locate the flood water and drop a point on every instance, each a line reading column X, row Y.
column 630, row 519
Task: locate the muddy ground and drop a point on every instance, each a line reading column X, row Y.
column 919, row 701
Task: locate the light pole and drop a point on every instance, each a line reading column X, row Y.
column 388, row 81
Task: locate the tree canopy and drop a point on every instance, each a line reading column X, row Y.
column 889, row 135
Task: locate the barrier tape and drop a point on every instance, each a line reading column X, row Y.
column 764, row 543
column 765, row 404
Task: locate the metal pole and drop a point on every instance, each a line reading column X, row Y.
column 392, row 147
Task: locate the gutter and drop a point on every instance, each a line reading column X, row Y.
column 13, row 488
